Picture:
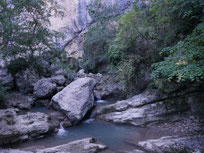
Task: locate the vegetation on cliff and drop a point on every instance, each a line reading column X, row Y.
column 163, row 36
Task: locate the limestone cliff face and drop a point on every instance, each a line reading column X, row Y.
column 77, row 20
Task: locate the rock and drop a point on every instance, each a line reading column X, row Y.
column 17, row 128
column 25, row 80
column 80, row 146
column 56, row 117
column 55, row 70
column 19, row 100
column 169, row 144
column 136, row 151
column 66, row 123
column 45, row 67
column 76, row 99
column 143, row 109
column 81, row 73
column 13, row 151
column 59, row 80
column 108, row 86
column 77, row 20
column 44, row 89
column 59, row 89
column 6, row 79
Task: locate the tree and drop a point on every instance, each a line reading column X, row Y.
column 24, row 28
column 185, row 61
column 99, row 36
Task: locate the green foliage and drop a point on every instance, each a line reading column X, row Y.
column 102, row 13
column 17, row 65
column 189, row 12
column 185, row 61
column 24, row 28
column 142, row 33
column 139, row 37
column 95, row 46
column 98, row 37
column 20, row 64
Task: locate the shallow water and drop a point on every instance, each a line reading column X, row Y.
column 116, row 137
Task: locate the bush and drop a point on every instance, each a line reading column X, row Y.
column 185, row 61
column 21, row 64
column 96, row 46
column 100, row 36
column 17, row 65
column 189, row 13
column 143, row 32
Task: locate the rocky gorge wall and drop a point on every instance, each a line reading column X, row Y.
column 76, row 21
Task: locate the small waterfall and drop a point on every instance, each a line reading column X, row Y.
column 91, row 117
column 101, row 102
column 93, row 113
column 61, row 131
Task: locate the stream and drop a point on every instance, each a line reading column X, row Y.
column 118, row 138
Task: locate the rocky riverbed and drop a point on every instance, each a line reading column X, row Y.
column 148, row 122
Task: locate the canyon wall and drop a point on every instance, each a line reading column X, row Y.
column 77, row 20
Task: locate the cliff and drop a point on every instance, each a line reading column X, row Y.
column 77, row 20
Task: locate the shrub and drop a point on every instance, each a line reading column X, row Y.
column 185, row 61
column 188, row 13
column 96, row 46
column 17, row 65
column 20, row 64
column 143, row 32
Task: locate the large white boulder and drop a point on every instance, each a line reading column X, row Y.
column 76, row 99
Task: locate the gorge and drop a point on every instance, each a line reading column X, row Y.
column 102, row 96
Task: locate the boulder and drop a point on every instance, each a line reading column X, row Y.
column 56, row 117
column 13, row 151
column 59, row 80
column 17, row 128
column 44, row 89
column 143, row 109
column 81, row 73
column 55, row 70
column 18, row 100
column 136, row 151
column 6, row 79
column 169, row 144
column 80, row 146
column 76, row 99
column 108, row 86
column 25, row 80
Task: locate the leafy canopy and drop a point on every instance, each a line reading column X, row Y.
column 185, row 61
column 24, row 27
